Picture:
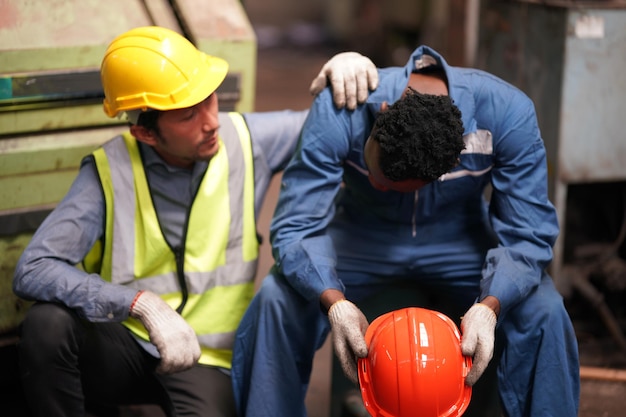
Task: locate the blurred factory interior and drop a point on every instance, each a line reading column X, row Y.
column 568, row 56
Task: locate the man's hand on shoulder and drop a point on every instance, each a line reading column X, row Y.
column 351, row 76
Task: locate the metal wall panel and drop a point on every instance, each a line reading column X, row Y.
column 569, row 57
column 592, row 140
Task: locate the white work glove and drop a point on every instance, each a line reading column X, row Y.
column 175, row 340
column 351, row 76
column 348, row 325
column 478, row 327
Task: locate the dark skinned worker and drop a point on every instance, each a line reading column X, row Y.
column 393, row 193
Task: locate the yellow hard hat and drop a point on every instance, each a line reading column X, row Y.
column 156, row 68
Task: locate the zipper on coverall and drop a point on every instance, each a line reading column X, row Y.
column 414, row 217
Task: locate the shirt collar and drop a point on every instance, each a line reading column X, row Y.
column 151, row 159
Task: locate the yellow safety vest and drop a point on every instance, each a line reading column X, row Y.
column 220, row 250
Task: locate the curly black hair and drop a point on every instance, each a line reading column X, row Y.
column 420, row 137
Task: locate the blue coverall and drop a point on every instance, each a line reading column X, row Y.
column 333, row 230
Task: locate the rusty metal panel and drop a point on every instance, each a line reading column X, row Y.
column 55, row 34
column 214, row 19
column 43, row 41
column 592, row 142
column 12, row 308
column 38, row 170
column 222, row 28
column 570, row 61
column 524, row 45
column 49, row 77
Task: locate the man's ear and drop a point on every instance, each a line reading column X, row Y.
column 383, row 107
column 143, row 134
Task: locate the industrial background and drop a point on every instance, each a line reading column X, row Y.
column 568, row 56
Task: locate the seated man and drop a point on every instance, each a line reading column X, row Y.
column 393, row 194
column 164, row 219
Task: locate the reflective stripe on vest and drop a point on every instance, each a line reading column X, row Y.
column 221, row 247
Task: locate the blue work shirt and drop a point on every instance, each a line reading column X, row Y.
column 47, row 269
column 329, row 217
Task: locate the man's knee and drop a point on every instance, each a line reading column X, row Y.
column 278, row 307
column 545, row 306
column 277, row 297
column 46, row 326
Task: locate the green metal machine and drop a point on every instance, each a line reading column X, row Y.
column 51, row 100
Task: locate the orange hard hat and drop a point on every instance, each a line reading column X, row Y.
column 156, row 68
column 415, row 366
